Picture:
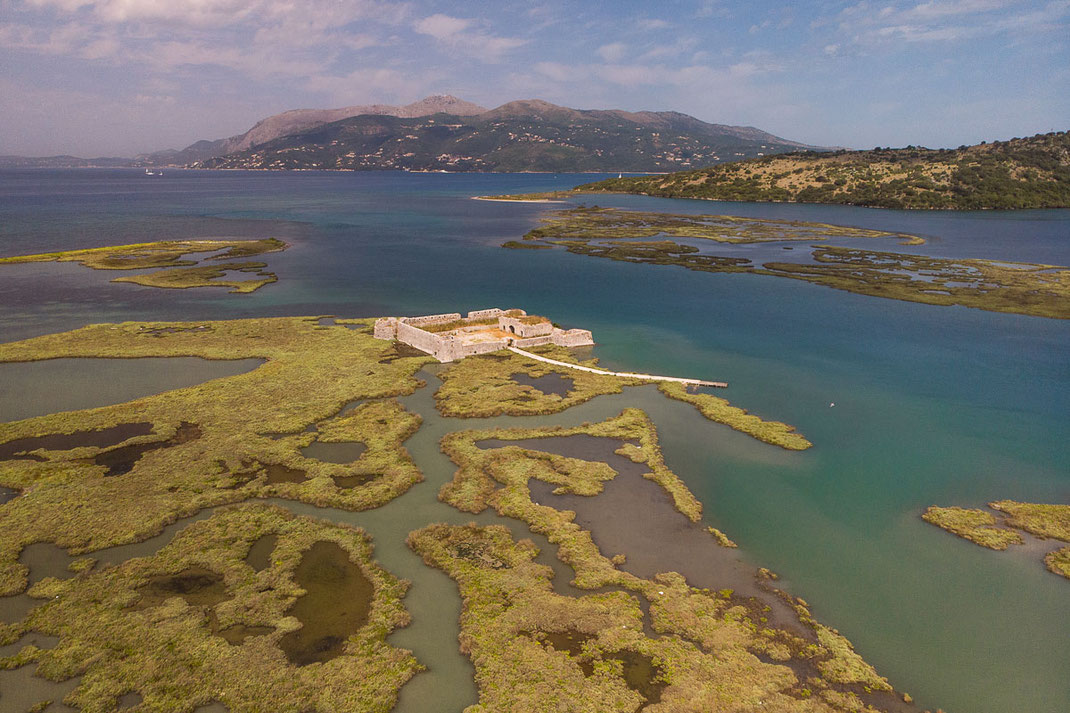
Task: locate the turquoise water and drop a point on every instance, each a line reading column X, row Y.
column 934, row 405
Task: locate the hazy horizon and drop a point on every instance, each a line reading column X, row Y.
column 122, row 77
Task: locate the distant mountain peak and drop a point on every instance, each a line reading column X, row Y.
column 295, row 120
column 442, row 103
column 531, row 107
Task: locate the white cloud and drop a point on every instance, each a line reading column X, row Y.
column 460, row 36
column 649, row 24
column 942, row 20
column 101, row 48
column 197, row 12
column 948, row 8
column 442, row 27
column 682, row 45
column 297, row 18
column 258, row 63
column 257, row 39
column 69, row 39
column 696, row 77
column 66, row 5
column 221, row 13
column 707, row 9
column 555, row 70
column 613, row 52
column 371, row 84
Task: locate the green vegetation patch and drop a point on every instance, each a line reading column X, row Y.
column 511, row 617
column 536, row 650
column 998, row 286
column 975, row 525
column 518, row 245
column 1031, row 172
column 1044, row 521
column 195, row 623
column 219, row 442
column 594, row 223
column 1059, row 561
column 1021, row 288
column 720, row 410
column 509, row 605
column 181, row 273
column 473, row 486
column 206, row 276
column 997, row 530
column 1038, row 519
column 481, row 386
column 543, row 197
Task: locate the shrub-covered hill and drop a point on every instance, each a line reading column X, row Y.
column 1032, row 172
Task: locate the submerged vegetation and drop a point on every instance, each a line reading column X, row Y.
column 997, row 286
column 196, row 623
column 1031, row 172
column 169, row 254
column 536, row 650
column 634, row 642
column 998, row 530
column 719, row 410
column 1022, row 288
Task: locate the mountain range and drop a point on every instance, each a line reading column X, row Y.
column 528, row 135
column 444, row 133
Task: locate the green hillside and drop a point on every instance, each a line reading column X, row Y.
column 1032, row 172
column 520, row 136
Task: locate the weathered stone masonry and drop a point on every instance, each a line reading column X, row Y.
column 513, row 328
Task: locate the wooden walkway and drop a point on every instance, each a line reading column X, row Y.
column 626, row 375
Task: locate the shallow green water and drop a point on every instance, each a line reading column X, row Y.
column 38, row 388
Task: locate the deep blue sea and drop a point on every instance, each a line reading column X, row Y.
column 933, row 405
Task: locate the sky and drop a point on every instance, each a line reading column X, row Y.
column 122, row 77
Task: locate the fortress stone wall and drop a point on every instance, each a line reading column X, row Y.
column 513, row 328
column 428, row 342
column 519, row 327
column 485, row 313
column 573, row 338
column 386, row 328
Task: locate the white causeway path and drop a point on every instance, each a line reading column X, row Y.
column 626, row 375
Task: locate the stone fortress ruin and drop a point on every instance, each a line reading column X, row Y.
column 449, row 337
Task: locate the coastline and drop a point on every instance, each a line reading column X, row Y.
column 516, row 200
